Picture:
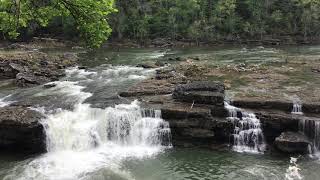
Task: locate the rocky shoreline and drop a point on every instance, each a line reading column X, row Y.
column 30, row 67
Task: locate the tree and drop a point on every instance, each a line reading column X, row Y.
column 90, row 16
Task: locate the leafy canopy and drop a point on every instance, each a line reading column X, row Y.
column 90, row 16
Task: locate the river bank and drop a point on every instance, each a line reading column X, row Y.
column 169, row 43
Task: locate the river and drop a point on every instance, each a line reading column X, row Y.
column 91, row 138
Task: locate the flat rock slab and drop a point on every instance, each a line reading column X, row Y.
column 149, row 87
column 293, row 142
column 184, row 110
column 21, row 130
column 201, row 92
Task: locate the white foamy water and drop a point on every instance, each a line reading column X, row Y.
column 293, row 171
column 311, row 128
column 297, row 108
column 248, row 136
column 85, row 140
column 4, row 102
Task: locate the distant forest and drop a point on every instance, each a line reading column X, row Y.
column 215, row 19
column 141, row 20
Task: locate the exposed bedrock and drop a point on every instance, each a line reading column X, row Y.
column 293, row 142
column 197, row 116
column 21, row 130
column 274, row 123
column 285, row 106
column 201, row 92
column 195, row 125
column 31, row 68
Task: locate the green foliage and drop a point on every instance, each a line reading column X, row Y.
column 197, row 20
column 89, row 16
column 215, row 19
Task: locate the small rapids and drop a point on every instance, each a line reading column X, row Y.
column 85, row 141
column 4, row 102
column 248, row 136
column 293, row 171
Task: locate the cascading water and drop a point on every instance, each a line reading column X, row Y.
column 86, row 140
column 86, row 128
column 311, row 128
column 297, row 108
column 248, row 135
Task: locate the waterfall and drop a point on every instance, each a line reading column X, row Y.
column 85, row 140
column 297, row 108
column 248, row 135
column 311, row 128
column 86, row 128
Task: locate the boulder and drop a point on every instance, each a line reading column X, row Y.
column 7, row 72
column 21, row 130
column 147, row 65
column 29, row 79
column 49, row 85
column 276, row 122
column 293, row 142
column 201, row 92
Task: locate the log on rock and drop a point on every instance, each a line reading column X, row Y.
column 202, row 92
column 293, row 142
column 21, row 130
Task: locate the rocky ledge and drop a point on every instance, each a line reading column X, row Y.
column 21, row 130
column 293, row 142
column 31, row 68
column 197, row 116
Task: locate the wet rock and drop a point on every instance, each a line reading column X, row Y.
column 21, row 130
column 202, row 92
column 197, row 131
column 195, row 125
column 274, row 123
column 82, row 67
column 28, row 79
column 50, row 85
column 311, row 108
column 292, row 142
column 160, row 63
column 6, row 72
column 147, row 65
